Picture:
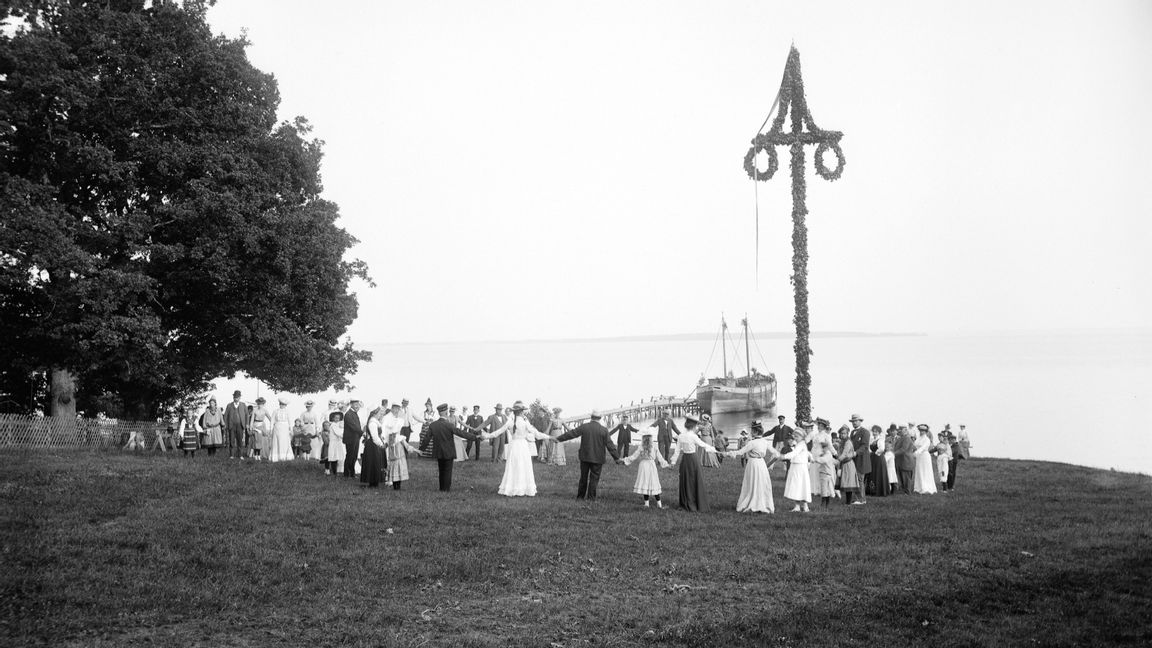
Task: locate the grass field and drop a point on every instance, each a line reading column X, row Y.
column 121, row 550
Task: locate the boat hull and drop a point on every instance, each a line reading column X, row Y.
column 723, row 399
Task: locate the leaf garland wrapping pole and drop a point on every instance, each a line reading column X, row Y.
column 791, row 98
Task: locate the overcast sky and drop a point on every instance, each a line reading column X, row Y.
column 575, row 169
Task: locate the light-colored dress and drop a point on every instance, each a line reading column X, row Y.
column 281, row 435
column 890, row 462
column 814, row 440
column 556, row 454
column 213, row 428
column 849, row 479
column 519, row 479
column 261, row 430
column 311, row 421
column 943, row 456
column 710, row 459
column 756, row 489
column 798, row 483
column 825, row 484
column 337, row 451
column 647, row 477
column 397, row 458
column 924, row 478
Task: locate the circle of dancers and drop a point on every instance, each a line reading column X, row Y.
column 855, row 462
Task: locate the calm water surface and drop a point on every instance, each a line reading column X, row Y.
column 1071, row 397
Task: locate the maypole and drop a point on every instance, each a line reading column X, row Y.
column 803, row 131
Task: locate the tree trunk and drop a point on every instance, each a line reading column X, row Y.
column 62, row 394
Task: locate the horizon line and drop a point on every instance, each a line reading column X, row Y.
column 674, row 337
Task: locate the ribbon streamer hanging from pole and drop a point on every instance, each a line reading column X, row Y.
column 756, row 190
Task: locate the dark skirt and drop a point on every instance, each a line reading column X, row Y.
column 878, row 478
column 691, row 488
column 372, row 465
column 190, row 441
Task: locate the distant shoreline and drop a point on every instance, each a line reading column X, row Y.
column 673, row 337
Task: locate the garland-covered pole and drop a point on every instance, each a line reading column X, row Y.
column 792, row 101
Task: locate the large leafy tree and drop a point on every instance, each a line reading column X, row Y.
column 159, row 227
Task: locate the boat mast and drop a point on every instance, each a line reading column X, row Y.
column 747, row 355
column 724, row 345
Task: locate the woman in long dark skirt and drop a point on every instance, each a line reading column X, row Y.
column 687, row 449
column 878, row 478
column 373, row 464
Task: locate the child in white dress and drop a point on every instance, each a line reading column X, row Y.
column 647, row 477
column 798, row 483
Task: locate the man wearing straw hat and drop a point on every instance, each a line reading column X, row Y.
column 594, row 439
column 861, row 440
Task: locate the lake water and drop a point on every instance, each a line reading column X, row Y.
column 1072, row 397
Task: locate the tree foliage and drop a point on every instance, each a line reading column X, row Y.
column 159, row 227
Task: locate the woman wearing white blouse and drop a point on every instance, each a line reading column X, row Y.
column 518, row 477
column 686, row 449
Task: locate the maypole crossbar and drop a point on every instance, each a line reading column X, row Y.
column 803, row 131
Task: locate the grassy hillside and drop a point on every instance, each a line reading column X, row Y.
column 115, row 550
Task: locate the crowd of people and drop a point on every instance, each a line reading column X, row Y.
column 851, row 465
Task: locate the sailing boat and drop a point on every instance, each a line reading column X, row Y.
column 754, row 393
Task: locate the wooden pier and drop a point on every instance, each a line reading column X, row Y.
column 642, row 411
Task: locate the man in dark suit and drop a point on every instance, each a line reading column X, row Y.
column 352, row 433
column 781, row 434
column 905, row 451
column 665, row 428
column 623, row 434
column 594, row 439
column 473, row 423
column 493, row 423
column 861, row 440
column 440, row 432
column 236, row 425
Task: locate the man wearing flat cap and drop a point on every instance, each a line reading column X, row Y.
column 440, row 432
column 594, row 439
column 861, row 442
column 473, row 423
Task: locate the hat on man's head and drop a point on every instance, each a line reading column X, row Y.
column 781, row 417
column 690, row 422
column 499, row 406
column 452, row 409
column 395, row 406
column 475, row 407
column 855, row 417
column 757, row 426
column 442, row 407
column 236, row 394
column 404, row 400
column 594, row 415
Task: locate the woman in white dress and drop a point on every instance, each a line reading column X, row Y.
column 281, row 433
column 798, row 483
column 756, row 490
column 518, row 477
column 823, row 434
column 924, row 477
